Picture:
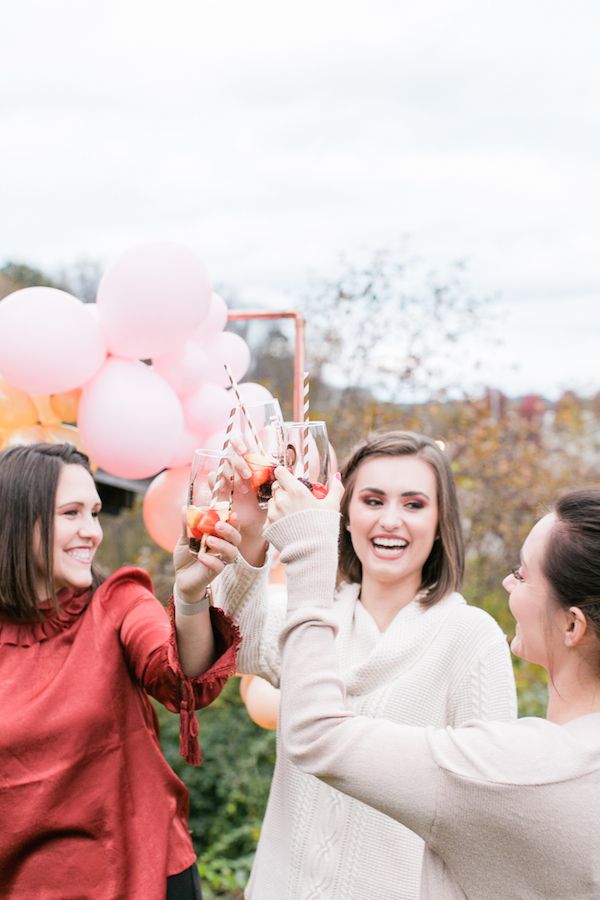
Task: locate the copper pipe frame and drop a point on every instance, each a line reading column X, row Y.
column 241, row 315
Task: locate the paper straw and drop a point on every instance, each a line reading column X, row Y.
column 305, row 430
column 251, row 424
column 219, row 478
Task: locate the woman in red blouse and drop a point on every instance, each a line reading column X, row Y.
column 90, row 810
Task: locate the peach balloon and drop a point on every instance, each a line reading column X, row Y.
column 162, row 505
column 244, row 684
column 262, row 703
column 30, row 434
column 46, row 414
column 65, row 405
column 16, row 407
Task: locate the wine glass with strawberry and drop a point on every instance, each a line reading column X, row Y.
column 209, row 496
column 307, row 454
column 262, row 432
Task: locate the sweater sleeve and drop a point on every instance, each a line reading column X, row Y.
column 243, row 592
column 148, row 638
column 486, row 689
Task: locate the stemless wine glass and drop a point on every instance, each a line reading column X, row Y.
column 209, row 496
column 265, row 445
column 307, row 454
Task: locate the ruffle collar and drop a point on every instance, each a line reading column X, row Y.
column 25, row 634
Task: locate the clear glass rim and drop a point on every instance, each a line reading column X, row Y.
column 205, row 451
column 304, row 424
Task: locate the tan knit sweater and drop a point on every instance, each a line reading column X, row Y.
column 442, row 665
column 509, row 811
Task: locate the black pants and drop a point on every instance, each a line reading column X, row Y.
column 185, row 885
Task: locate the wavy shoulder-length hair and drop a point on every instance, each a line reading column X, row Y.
column 28, row 481
column 444, row 567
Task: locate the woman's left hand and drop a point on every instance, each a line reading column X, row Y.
column 289, row 495
column 193, row 573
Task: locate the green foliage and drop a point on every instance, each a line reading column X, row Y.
column 228, row 793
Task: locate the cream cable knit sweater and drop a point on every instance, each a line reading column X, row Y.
column 439, row 666
column 509, row 810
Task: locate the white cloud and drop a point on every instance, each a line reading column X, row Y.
column 270, row 138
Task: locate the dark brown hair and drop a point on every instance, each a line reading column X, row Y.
column 443, row 569
column 28, row 480
column 571, row 562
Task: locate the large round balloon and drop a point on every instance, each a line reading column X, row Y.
column 251, row 392
column 130, row 419
column 65, row 405
column 163, row 501
column 215, row 321
column 228, row 348
column 17, row 409
column 262, row 702
column 152, row 298
column 188, row 442
column 207, row 409
column 48, row 342
column 184, row 367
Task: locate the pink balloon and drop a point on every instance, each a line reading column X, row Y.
column 251, row 392
column 188, row 442
column 49, row 344
column 163, row 501
column 184, row 367
column 215, row 321
column 207, row 409
column 214, row 441
column 130, row 419
column 152, row 298
column 227, row 348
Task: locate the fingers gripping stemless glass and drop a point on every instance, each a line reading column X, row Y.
column 307, row 454
column 268, row 424
column 207, row 505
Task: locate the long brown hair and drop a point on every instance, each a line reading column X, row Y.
column 444, row 567
column 28, row 481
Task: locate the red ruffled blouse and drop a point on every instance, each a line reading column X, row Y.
column 89, row 807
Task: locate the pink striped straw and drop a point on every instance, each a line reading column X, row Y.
column 251, row 425
column 220, row 477
column 305, row 442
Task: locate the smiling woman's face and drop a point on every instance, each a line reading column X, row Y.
column 530, row 599
column 77, row 531
column 393, row 518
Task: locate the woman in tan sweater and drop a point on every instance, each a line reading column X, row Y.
column 507, row 810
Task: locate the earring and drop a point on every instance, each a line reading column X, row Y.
column 347, row 526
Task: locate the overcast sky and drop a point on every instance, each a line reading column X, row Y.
column 271, row 137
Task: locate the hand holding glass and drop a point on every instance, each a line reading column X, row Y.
column 209, row 502
column 265, row 446
column 307, row 454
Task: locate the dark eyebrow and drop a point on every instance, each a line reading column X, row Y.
column 380, row 493
column 79, row 503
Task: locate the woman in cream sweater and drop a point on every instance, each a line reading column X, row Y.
column 507, row 809
column 410, row 650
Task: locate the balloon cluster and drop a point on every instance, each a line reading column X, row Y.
column 136, row 379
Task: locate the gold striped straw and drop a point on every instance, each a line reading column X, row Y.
column 251, row 425
column 305, row 416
